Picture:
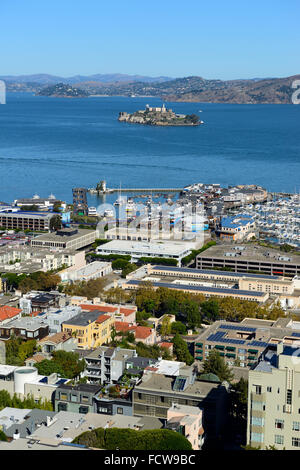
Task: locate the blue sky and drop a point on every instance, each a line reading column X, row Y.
column 223, row 39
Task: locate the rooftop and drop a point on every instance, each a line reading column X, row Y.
column 55, row 237
column 250, row 253
column 84, row 318
column 160, row 248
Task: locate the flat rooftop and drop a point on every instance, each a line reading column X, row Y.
column 161, row 248
column 250, row 253
column 161, row 383
column 199, row 289
column 209, row 272
column 62, row 238
column 260, row 333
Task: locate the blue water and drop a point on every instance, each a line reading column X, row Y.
column 53, row 144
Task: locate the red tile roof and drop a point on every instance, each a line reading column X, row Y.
column 120, row 326
column 7, row 312
column 140, row 332
column 102, row 318
column 127, row 311
column 101, row 308
column 166, row 345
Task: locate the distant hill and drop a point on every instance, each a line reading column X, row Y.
column 62, row 90
column 186, row 89
column 46, row 79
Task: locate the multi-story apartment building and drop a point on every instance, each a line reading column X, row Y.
column 77, row 398
column 26, row 220
column 274, row 400
column 175, row 383
column 106, row 365
column 91, row 328
column 25, row 328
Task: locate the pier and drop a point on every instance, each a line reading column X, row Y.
column 135, row 190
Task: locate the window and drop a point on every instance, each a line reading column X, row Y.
column 289, row 397
column 257, row 421
column 62, row 407
column 278, row 439
column 269, row 389
column 295, row 441
column 257, row 389
column 296, row 426
column 83, row 409
column 120, row 410
column 279, row 423
column 257, row 437
column 74, row 397
column 63, row 396
column 258, row 406
column 84, row 398
column 102, row 410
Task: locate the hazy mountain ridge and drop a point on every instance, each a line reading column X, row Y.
column 186, row 89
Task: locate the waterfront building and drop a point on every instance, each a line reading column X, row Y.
column 80, row 206
column 39, row 221
column 40, row 203
column 236, row 228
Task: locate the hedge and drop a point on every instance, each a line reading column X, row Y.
column 130, row 439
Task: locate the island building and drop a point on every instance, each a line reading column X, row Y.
column 80, row 205
column 249, row 258
column 91, row 328
column 136, row 250
column 66, row 238
column 40, row 221
column 273, row 400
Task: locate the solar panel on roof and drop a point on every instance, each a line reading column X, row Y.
column 234, row 327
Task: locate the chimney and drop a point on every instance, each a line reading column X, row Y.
column 279, row 349
column 16, row 434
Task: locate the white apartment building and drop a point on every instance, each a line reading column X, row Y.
column 274, row 400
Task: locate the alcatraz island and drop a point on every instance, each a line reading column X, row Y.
column 160, row 117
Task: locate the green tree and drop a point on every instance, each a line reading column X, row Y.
column 181, row 350
column 216, row 365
